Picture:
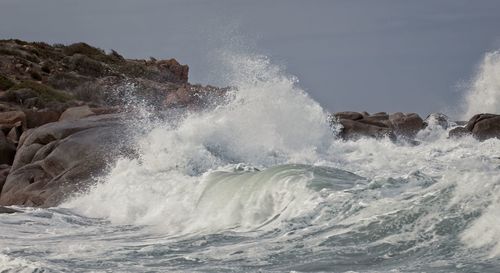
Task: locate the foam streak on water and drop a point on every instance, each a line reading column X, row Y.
column 261, row 183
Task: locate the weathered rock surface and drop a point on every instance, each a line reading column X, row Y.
column 481, row 126
column 378, row 125
column 61, row 108
column 57, row 159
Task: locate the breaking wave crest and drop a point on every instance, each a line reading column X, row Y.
column 484, row 93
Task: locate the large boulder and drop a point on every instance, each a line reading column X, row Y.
column 481, row 126
column 57, row 159
column 487, row 126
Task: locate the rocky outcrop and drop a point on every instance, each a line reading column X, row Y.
column 61, row 111
column 36, row 75
column 480, row 126
column 356, row 125
column 57, row 159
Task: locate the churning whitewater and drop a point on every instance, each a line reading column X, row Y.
column 259, row 182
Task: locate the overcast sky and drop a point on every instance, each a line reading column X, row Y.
column 383, row 55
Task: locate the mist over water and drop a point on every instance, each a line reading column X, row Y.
column 260, row 182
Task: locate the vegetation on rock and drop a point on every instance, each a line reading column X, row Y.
column 45, row 92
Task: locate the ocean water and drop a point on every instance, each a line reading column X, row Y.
column 260, row 183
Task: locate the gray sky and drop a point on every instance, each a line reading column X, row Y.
column 349, row 55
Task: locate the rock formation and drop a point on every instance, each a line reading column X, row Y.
column 62, row 110
column 378, row 125
column 59, row 158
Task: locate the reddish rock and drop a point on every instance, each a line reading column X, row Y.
column 180, row 72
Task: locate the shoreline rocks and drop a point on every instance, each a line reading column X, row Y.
column 481, row 126
column 379, row 125
column 356, row 125
column 62, row 109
